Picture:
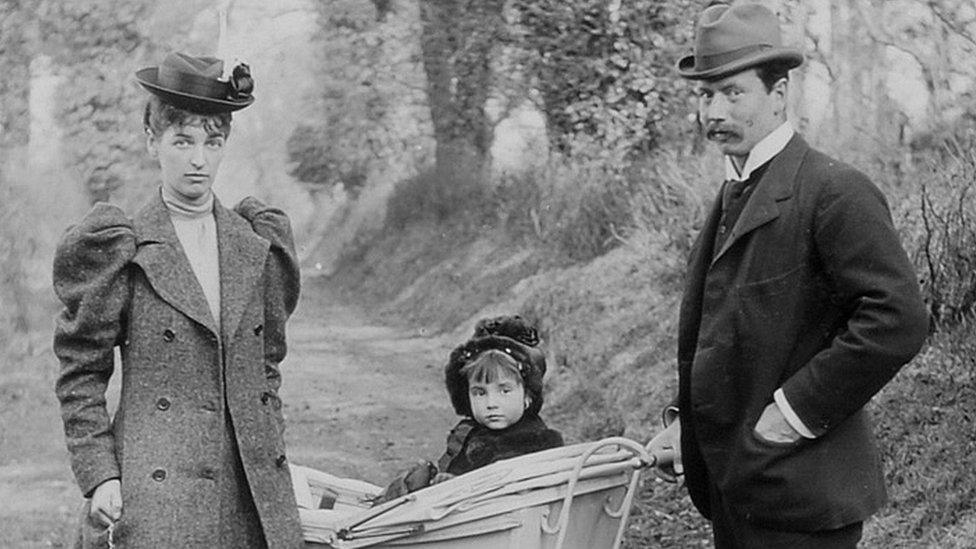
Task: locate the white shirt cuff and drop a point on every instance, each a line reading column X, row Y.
column 669, row 415
column 794, row 420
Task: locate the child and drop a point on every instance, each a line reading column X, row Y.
column 495, row 382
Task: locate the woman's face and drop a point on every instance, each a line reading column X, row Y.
column 189, row 157
column 497, row 404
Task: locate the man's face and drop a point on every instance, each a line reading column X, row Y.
column 189, row 157
column 738, row 111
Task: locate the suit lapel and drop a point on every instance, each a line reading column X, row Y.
column 775, row 185
column 242, row 257
column 162, row 259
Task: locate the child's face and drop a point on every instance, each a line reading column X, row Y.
column 189, row 157
column 499, row 403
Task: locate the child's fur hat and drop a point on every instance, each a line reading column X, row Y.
column 512, row 335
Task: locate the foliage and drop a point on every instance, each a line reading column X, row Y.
column 605, row 71
column 373, row 111
column 14, row 245
column 433, row 196
column 578, row 208
column 457, row 43
column 15, row 54
column 99, row 44
column 320, row 159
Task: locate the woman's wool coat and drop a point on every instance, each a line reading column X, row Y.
column 197, row 435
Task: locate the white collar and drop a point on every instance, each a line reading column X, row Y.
column 767, row 148
column 177, row 206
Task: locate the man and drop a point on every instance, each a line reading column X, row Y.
column 800, row 304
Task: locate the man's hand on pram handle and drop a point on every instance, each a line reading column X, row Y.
column 665, row 448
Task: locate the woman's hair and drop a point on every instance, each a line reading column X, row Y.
column 160, row 115
column 491, row 365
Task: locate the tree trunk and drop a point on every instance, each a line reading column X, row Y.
column 456, row 44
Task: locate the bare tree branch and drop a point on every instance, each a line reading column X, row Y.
column 950, row 23
column 818, row 54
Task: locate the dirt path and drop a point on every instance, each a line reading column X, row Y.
column 361, row 401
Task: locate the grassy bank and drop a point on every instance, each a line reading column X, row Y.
column 596, row 258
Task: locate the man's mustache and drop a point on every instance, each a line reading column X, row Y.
column 716, row 129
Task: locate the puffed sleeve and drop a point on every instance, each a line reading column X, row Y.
column 91, row 280
column 282, row 279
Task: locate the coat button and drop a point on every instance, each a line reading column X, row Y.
column 258, row 329
column 159, row 475
column 168, row 335
column 210, row 406
column 280, row 460
column 208, row 473
column 163, row 404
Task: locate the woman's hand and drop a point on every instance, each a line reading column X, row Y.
column 106, row 503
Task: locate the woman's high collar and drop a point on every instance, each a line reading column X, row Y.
column 178, row 206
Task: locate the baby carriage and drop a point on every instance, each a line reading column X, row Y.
column 574, row 497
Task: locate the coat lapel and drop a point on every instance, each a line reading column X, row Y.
column 161, row 257
column 776, row 185
column 242, row 257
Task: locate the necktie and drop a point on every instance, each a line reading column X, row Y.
column 735, row 194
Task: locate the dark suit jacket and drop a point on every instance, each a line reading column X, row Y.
column 812, row 292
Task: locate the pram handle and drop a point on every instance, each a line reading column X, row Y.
column 644, row 460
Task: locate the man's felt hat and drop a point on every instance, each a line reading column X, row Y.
column 512, row 335
column 730, row 39
column 195, row 84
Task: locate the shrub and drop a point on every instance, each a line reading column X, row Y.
column 585, row 208
column 318, row 161
column 672, row 194
column 939, row 228
column 579, row 208
column 439, row 197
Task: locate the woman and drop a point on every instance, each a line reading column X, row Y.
column 195, row 296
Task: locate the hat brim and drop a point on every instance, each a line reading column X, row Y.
column 791, row 57
column 148, row 79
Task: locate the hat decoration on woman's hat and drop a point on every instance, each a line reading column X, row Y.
column 512, row 335
column 730, row 39
column 195, row 84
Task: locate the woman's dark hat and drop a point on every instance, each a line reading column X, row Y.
column 195, row 84
column 512, row 335
column 730, row 39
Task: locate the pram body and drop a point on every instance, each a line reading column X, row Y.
column 575, row 497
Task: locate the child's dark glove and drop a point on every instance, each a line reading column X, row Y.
column 413, row 479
